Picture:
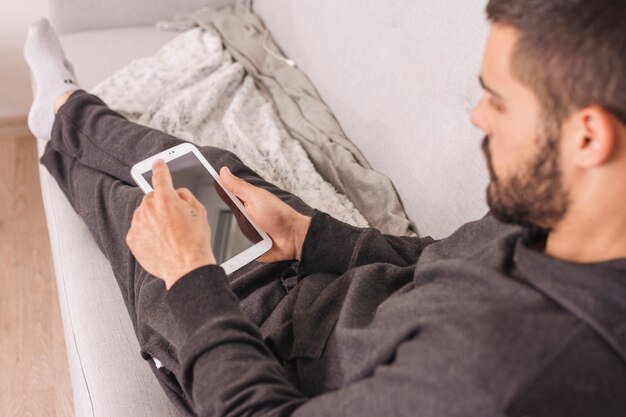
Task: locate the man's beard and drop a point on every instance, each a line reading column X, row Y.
column 533, row 197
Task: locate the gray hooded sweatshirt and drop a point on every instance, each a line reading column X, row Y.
column 481, row 323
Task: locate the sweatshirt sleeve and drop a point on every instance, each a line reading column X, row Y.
column 228, row 371
column 331, row 245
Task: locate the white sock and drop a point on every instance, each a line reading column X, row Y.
column 51, row 75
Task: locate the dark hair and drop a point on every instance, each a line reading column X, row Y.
column 571, row 53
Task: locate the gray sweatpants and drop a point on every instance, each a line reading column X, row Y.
column 90, row 155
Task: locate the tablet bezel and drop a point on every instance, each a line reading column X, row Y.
column 177, row 151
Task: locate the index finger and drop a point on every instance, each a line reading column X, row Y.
column 161, row 177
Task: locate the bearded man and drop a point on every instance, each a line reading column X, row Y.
column 521, row 313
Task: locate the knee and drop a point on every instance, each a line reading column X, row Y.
column 219, row 158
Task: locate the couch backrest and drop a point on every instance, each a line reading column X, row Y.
column 401, row 77
column 77, row 15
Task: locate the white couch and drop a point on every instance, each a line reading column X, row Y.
column 401, row 78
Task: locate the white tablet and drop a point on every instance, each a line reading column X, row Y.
column 237, row 239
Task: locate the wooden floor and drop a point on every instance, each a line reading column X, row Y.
column 34, row 375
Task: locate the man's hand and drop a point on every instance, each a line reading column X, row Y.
column 169, row 234
column 283, row 224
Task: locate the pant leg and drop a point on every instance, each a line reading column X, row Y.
column 88, row 130
column 90, row 155
column 106, row 205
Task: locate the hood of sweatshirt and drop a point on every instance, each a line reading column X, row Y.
column 593, row 292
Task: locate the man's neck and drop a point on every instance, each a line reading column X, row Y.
column 585, row 238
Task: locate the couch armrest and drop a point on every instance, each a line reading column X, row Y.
column 79, row 15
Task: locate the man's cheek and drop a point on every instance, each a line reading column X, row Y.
column 502, row 169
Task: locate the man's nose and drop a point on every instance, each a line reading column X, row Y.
column 477, row 117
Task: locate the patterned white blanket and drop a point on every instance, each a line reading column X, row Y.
column 193, row 89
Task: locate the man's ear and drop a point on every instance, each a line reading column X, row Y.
column 597, row 131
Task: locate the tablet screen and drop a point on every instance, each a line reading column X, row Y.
column 231, row 232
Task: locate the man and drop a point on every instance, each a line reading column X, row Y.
column 521, row 313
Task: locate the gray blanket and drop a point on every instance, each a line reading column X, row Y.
column 304, row 114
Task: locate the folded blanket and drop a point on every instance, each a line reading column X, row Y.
column 305, row 116
column 193, row 89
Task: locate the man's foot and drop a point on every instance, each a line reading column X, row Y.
column 51, row 74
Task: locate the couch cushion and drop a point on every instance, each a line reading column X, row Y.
column 99, row 53
column 401, row 78
column 109, row 377
column 80, row 15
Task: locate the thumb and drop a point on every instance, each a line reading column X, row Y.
column 236, row 185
